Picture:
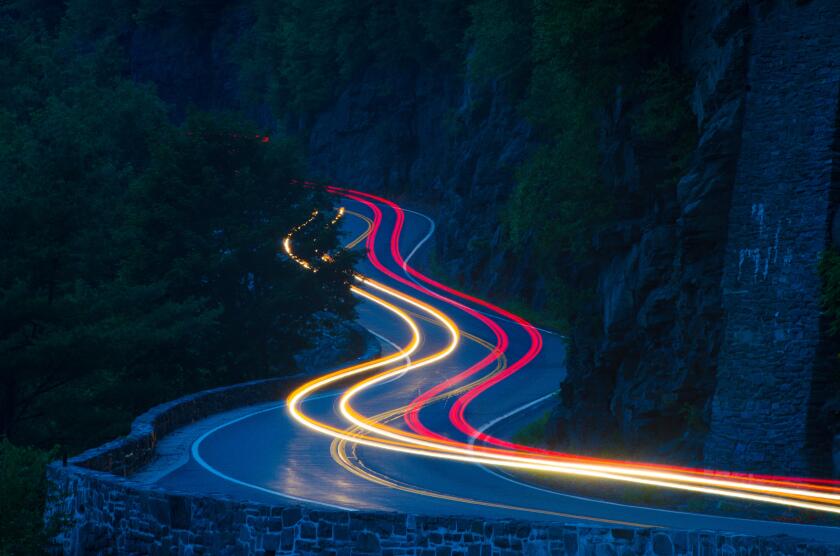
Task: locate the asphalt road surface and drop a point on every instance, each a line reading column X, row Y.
column 261, row 453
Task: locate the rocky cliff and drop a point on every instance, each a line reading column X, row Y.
column 446, row 144
column 711, row 344
column 773, row 377
column 644, row 378
column 706, row 342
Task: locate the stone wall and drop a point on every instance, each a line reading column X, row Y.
column 128, row 454
column 111, row 514
column 114, row 516
column 770, row 384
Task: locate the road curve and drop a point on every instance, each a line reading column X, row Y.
column 499, row 366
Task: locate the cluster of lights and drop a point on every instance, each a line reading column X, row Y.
column 287, row 241
column 377, row 434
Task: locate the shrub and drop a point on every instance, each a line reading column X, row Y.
column 23, row 496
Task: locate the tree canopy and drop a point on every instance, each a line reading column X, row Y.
column 138, row 257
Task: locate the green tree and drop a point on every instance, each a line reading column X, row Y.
column 77, row 137
column 23, row 495
column 139, row 258
column 299, row 53
column 206, row 219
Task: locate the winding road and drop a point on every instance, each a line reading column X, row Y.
column 426, row 427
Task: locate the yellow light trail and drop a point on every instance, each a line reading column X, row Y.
column 338, row 453
column 354, row 464
column 407, row 443
column 650, row 477
column 400, row 441
column 364, row 234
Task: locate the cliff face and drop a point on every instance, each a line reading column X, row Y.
column 190, row 66
column 708, row 340
column 712, row 345
column 642, row 381
column 773, row 378
column 448, row 145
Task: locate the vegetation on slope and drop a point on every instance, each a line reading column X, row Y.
column 829, row 270
column 564, row 63
column 138, row 258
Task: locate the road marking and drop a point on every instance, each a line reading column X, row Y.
column 339, row 455
column 444, row 449
column 509, row 478
column 364, row 234
column 197, row 457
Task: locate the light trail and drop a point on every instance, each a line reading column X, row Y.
column 457, row 411
column 657, row 478
column 353, row 464
column 364, row 234
column 412, row 415
column 338, row 452
column 400, row 441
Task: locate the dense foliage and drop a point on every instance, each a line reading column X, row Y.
column 565, row 63
column 574, row 62
column 23, row 490
column 138, row 258
column 829, row 270
column 299, row 52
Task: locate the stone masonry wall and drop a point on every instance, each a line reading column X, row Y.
column 111, row 514
column 768, row 382
column 126, row 455
column 114, row 516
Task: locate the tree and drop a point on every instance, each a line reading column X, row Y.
column 138, row 259
column 23, row 495
column 207, row 219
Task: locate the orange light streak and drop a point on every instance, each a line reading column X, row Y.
column 396, row 440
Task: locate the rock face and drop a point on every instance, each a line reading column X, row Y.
column 453, row 146
column 641, row 382
column 770, row 381
column 190, row 66
column 706, row 334
column 711, row 340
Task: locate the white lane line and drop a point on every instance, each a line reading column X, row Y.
column 197, row 456
column 201, row 461
column 484, row 427
column 510, row 413
column 422, row 241
column 383, row 339
column 509, row 478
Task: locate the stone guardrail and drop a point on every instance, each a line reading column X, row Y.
column 130, row 453
column 111, row 514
